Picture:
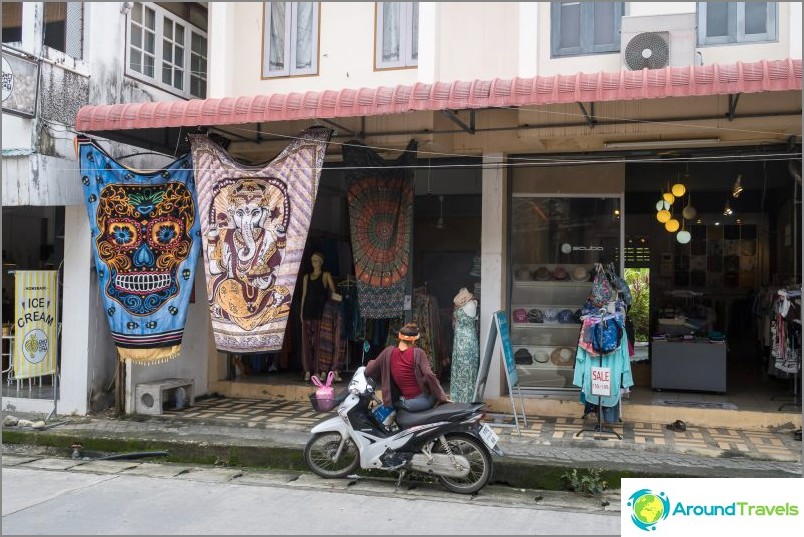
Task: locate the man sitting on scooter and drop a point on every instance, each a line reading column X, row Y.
column 406, row 379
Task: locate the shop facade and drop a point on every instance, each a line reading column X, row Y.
column 517, row 146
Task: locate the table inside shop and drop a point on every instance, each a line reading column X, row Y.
column 694, row 365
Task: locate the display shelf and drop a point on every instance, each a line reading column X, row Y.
column 542, row 339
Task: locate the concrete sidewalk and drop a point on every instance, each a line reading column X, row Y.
column 272, row 434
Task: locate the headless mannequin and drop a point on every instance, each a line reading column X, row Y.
column 312, row 308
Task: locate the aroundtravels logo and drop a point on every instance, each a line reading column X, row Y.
column 648, row 508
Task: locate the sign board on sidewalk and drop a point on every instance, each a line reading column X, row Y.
column 601, row 381
column 35, row 323
column 508, row 352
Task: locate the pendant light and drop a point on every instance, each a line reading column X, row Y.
column 683, row 236
column 669, row 197
column 679, row 189
column 737, row 189
column 689, row 212
column 662, row 205
column 671, row 224
column 440, row 223
column 727, row 211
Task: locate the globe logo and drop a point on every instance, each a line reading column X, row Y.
column 648, row 508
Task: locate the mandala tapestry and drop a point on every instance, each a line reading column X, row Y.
column 145, row 235
column 380, row 198
column 254, row 224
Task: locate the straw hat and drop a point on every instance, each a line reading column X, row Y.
column 580, row 274
column 562, row 356
column 462, row 297
column 542, row 274
column 541, row 356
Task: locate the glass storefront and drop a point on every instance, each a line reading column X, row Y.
column 555, row 243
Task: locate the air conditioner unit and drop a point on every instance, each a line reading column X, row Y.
column 657, row 41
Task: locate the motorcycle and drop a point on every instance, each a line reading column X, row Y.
column 450, row 441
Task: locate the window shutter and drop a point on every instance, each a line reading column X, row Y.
column 75, row 29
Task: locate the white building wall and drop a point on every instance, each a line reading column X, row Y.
column 493, row 238
column 50, row 177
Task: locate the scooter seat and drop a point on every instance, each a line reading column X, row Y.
column 444, row 412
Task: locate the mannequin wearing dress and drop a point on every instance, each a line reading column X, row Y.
column 465, row 349
column 316, row 288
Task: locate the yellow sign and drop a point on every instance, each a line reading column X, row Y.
column 35, row 323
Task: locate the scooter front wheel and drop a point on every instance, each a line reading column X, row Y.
column 320, row 452
column 480, row 468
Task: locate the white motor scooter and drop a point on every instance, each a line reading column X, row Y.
column 449, row 441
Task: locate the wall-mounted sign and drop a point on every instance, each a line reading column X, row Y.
column 20, row 79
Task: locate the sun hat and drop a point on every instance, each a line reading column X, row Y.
column 560, row 274
column 522, row 274
column 562, row 356
column 520, row 315
column 542, row 274
column 523, row 357
column 462, row 297
column 541, row 356
column 580, row 274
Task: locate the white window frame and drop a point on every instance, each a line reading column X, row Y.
column 736, row 26
column 290, row 69
column 161, row 14
column 406, row 58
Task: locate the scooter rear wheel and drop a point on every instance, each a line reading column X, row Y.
column 480, row 468
column 320, row 451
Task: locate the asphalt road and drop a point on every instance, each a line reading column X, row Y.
column 51, row 497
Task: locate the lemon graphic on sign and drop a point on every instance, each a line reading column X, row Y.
column 648, row 508
column 34, row 346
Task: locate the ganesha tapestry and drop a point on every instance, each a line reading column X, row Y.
column 145, row 240
column 254, row 224
column 380, row 198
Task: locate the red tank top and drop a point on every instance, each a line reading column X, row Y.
column 403, row 373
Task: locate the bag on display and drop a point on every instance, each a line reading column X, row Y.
column 622, row 287
column 602, row 290
column 606, row 336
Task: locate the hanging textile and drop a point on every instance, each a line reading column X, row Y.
column 145, row 242
column 380, row 197
column 254, row 224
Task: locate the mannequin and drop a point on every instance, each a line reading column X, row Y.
column 465, row 348
column 316, row 288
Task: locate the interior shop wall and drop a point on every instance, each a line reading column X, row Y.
column 788, row 233
column 578, row 179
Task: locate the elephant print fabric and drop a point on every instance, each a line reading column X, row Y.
column 254, row 224
column 146, row 239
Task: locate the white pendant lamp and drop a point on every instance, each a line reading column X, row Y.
column 662, row 205
column 689, row 212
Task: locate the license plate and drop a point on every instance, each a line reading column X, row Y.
column 488, row 436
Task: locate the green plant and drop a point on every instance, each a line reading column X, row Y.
column 590, row 484
column 639, row 282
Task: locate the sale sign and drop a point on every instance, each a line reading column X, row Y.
column 601, row 381
column 36, row 329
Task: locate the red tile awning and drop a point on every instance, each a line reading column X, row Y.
column 761, row 76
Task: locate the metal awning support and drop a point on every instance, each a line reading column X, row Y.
column 344, row 130
column 590, row 116
column 732, row 105
column 455, row 119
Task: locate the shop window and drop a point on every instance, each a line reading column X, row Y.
column 64, row 27
column 578, row 28
column 12, row 22
column 555, row 244
column 736, row 22
column 290, row 39
column 162, row 46
column 397, row 35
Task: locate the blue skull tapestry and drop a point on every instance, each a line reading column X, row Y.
column 145, row 241
column 254, row 224
column 380, row 199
